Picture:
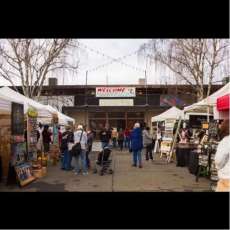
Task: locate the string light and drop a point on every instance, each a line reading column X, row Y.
column 111, row 58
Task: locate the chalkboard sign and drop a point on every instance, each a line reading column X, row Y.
column 17, row 118
column 213, row 129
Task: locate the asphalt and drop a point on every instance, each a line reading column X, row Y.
column 157, row 176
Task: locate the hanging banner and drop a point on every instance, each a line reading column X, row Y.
column 115, row 92
column 17, row 118
column 32, row 133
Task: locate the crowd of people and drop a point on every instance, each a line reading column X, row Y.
column 67, row 140
column 136, row 140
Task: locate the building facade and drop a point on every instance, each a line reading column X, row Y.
column 117, row 106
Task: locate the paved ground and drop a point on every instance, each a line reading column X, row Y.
column 153, row 177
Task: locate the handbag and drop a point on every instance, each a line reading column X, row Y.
column 76, row 149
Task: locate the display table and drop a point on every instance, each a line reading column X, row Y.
column 193, row 162
column 183, row 154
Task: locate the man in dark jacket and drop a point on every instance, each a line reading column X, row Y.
column 137, row 145
column 104, row 137
column 90, row 137
column 67, row 137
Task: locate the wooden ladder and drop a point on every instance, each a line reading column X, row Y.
column 174, row 141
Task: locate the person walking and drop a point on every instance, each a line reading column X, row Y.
column 90, row 137
column 120, row 139
column 127, row 138
column 67, row 137
column 40, row 142
column 147, row 143
column 114, row 136
column 104, row 137
column 136, row 144
column 46, row 138
column 80, row 136
column 222, row 159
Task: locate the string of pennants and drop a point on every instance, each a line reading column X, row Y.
column 111, row 58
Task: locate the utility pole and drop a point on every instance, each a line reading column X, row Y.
column 146, row 95
column 86, row 97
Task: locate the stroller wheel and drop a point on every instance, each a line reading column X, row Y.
column 101, row 173
column 110, row 171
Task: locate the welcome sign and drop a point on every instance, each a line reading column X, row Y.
column 115, row 92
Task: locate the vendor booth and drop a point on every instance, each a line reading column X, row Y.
column 205, row 137
column 168, row 119
column 20, row 160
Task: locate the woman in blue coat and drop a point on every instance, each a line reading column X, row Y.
column 136, row 144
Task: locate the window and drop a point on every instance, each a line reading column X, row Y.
column 116, row 115
column 135, row 115
column 97, row 115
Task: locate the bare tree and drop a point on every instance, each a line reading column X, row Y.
column 195, row 61
column 32, row 60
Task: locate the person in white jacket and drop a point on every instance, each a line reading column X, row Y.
column 222, row 159
column 81, row 136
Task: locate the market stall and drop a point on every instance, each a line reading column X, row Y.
column 205, row 137
column 21, row 158
column 5, row 135
column 169, row 118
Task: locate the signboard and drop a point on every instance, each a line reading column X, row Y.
column 24, row 174
column 171, row 100
column 116, row 102
column 17, row 114
column 115, row 92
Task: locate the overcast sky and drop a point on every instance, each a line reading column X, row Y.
column 115, row 73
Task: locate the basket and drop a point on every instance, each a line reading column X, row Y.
column 38, row 173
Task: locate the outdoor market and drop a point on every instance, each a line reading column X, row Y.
column 186, row 138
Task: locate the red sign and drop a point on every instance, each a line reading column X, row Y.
column 223, row 103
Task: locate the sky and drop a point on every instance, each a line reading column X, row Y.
column 114, row 73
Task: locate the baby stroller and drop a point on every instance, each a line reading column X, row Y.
column 104, row 162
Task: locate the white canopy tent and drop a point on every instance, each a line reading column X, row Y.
column 172, row 113
column 6, row 92
column 63, row 119
column 45, row 112
column 210, row 101
column 5, row 104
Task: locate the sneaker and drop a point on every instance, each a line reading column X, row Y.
column 140, row 166
column 85, row 173
column 134, row 165
column 76, row 173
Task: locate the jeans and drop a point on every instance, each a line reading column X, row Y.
column 114, row 142
column 137, row 157
column 120, row 143
column 149, row 153
column 66, row 160
column 82, row 158
column 127, row 142
column 104, row 144
column 87, row 155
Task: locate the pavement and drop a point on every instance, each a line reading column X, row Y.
column 157, row 176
